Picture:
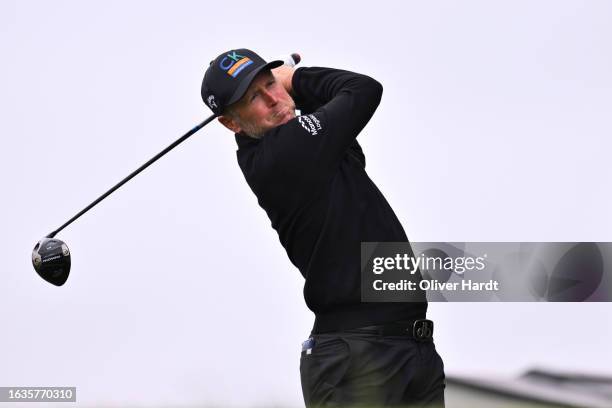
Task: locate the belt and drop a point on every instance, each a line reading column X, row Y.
column 419, row 330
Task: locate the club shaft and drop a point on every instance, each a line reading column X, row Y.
column 134, row 173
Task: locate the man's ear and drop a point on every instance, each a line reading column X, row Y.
column 230, row 123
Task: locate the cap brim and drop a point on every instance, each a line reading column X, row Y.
column 246, row 81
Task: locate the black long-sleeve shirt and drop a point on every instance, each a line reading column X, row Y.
column 309, row 176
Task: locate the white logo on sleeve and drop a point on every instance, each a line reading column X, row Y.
column 310, row 123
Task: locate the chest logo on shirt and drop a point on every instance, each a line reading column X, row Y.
column 310, row 123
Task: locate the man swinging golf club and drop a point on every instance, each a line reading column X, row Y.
column 308, row 173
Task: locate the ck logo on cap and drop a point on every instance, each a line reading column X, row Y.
column 233, row 63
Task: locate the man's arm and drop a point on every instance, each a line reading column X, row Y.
column 308, row 149
column 284, row 74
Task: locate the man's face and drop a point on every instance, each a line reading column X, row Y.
column 265, row 105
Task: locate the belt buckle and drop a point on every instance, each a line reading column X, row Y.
column 422, row 329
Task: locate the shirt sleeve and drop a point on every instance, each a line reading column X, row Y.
column 311, row 146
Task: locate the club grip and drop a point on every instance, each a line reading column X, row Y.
column 291, row 60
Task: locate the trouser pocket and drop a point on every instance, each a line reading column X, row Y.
column 323, row 363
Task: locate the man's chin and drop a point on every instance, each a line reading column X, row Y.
column 286, row 117
column 277, row 121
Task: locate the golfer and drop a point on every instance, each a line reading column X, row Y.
column 308, row 173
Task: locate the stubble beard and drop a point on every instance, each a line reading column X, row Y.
column 257, row 132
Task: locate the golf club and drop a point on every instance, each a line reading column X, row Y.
column 51, row 256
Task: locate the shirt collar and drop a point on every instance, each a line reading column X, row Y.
column 244, row 141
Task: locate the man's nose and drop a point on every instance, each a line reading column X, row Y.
column 269, row 98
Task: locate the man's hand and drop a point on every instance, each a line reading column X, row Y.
column 284, row 75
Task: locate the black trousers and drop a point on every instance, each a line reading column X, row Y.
column 356, row 368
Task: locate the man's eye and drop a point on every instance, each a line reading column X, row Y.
column 253, row 96
column 270, row 83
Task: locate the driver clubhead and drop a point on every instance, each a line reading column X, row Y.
column 51, row 260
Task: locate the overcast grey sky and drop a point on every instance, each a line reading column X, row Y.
column 494, row 126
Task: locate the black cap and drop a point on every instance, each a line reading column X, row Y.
column 228, row 77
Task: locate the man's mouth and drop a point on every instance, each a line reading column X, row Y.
column 281, row 114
